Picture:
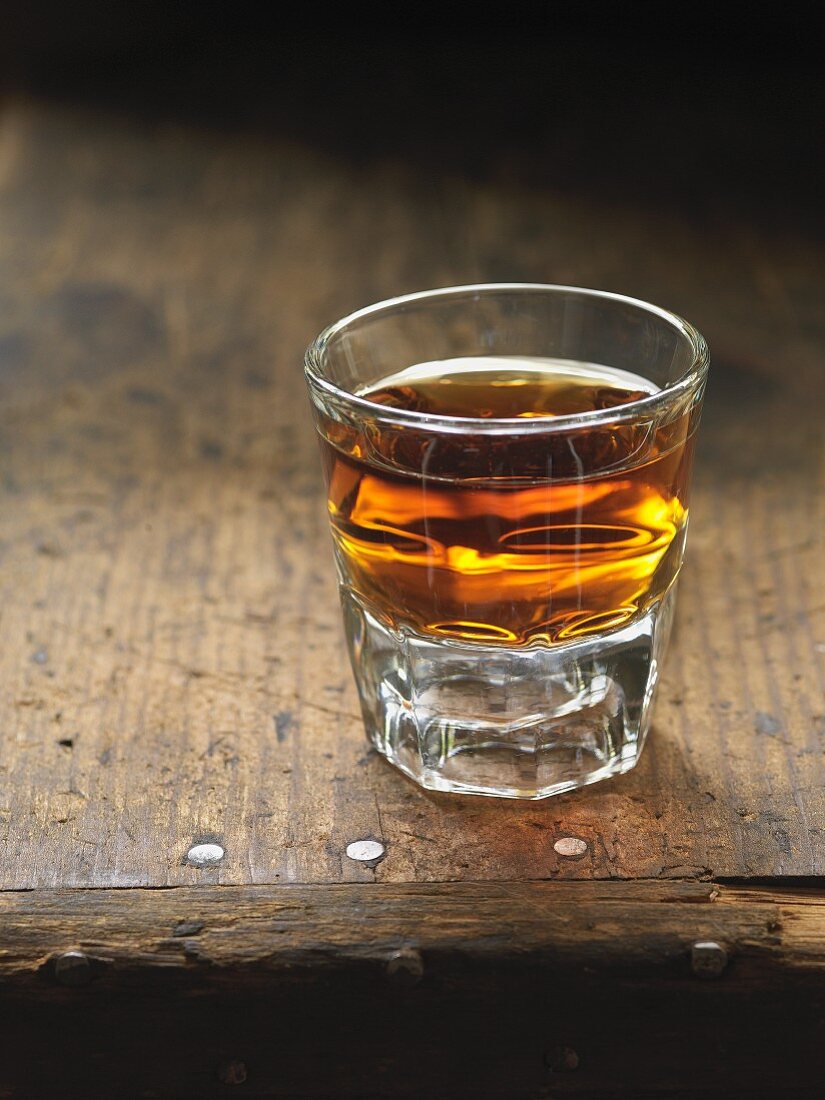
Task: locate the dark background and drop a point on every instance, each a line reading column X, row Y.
column 669, row 103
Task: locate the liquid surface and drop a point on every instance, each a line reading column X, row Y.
column 494, row 387
column 508, row 538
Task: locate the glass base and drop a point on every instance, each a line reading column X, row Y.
column 525, row 722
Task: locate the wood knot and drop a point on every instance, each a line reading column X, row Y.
column 187, row 928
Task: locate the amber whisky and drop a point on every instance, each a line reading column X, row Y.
column 480, row 520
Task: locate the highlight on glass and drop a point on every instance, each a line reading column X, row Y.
column 508, row 473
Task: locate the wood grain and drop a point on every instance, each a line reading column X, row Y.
column 245, row 937
column 522, row 990
column 170, row 653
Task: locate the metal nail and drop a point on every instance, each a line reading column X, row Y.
column 73, row 968
column 708, row 959
column 366, row 851
column 232, row 1073
column 205, row 855
column 561, row 1059
column 571, row 847
column 405, row 967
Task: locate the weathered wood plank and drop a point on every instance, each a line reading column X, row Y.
column 443, row 989
column 243, row 936
column 170, row 654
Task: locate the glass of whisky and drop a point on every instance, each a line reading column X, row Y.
column 508, row 469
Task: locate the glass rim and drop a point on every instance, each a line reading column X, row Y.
column 632, row 410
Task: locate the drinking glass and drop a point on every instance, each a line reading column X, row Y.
column 508, row 469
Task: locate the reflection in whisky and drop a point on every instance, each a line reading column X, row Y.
column 509, row 532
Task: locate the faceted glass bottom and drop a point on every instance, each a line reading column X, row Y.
column 525, row 722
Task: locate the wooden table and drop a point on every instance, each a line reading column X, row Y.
column 173, row 671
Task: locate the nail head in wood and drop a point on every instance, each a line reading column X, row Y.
column 708, row 959
column 561, row 1059
column 405, row 967
column 365, row 851
column 205, row 855
column 73, row 968
column 232, row 1073
column 571, row 847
